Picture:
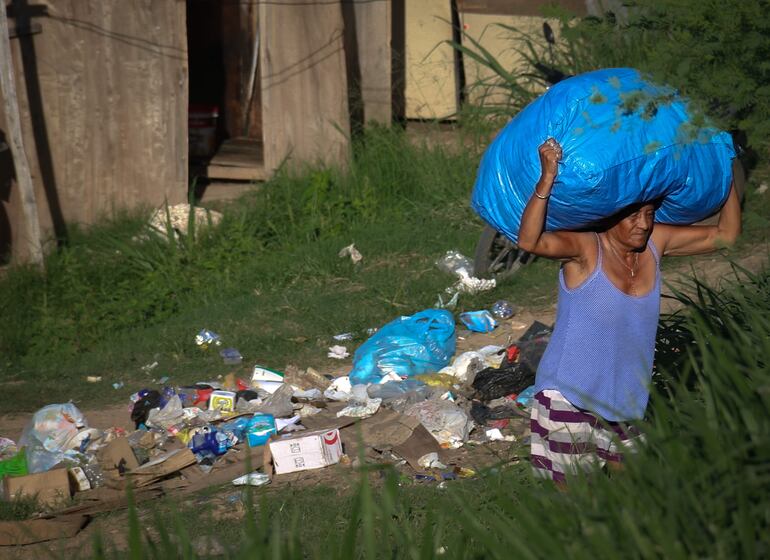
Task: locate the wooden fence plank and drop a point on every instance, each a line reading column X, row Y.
column 34, row 248
column 304, row 85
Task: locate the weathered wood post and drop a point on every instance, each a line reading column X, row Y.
column 21, row 165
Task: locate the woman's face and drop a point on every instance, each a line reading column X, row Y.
column 634, row 230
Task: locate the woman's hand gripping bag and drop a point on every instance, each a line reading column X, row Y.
column 624, row 140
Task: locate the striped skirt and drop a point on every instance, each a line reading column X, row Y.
column 566, row 439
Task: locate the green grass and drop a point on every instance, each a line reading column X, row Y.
column 268, row 279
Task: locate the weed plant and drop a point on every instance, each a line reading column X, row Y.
column 699, row 486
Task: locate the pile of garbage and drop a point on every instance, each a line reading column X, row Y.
column 408, row 398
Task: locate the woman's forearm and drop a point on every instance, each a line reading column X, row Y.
column 729, row 225
column 533, row 218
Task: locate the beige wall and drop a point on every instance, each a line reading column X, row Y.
column 430, row 80
column 505, row 45
column 304, row 84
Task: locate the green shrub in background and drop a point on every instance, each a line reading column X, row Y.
column 716, row 52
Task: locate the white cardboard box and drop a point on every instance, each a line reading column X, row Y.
column 306, row 451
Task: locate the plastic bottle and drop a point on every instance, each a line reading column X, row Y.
column 503, row 309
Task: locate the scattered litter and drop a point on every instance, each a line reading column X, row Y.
column 117, row 385
column 352, row 252
column 496, row 435
column 252, row 479
column 447, row 422
column 450, row 304
column 176, row 218
column 762, row 188
column 343, row 337
column 266, row 379
column 149, row 367
column 339, row 389
column 411, row 395
column 338, row 352
column 231, row 356
column 503, row 309
column 94, row 378
column 206, row 338
column 431, row 461
column 479, row 321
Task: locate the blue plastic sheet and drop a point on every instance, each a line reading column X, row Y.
column 410, row 345
column 624, row 140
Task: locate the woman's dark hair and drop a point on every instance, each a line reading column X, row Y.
column 606, row 223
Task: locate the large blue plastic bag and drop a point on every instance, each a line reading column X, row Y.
column 410, row 345
column 624, row 140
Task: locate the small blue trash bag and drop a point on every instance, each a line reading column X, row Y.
column 624, row 140
column 479, row 321
column 410, row 345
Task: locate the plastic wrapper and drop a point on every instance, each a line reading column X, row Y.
column 452, row 262
column 409, row 345
column 8, row 448
column 279, row 403
column 503, row 309
column 446, row 421
column 479, row 321
column 465, row 366
column 168, row 416
column 339, row 389
column 624, row 140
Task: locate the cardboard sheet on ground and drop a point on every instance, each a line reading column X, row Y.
column 103, row 499
column 50, row 487
column 40, row 530
column 162, row 466
column 388, row 429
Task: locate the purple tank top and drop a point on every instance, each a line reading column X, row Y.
column 603, row 344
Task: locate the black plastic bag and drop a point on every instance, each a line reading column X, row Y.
column 143, row 406
column 491, row 383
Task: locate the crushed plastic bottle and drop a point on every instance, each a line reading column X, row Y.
column 503, row 309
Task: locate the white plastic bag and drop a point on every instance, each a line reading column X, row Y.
column 446, row 421
column 169, row 415
column 52, row 436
